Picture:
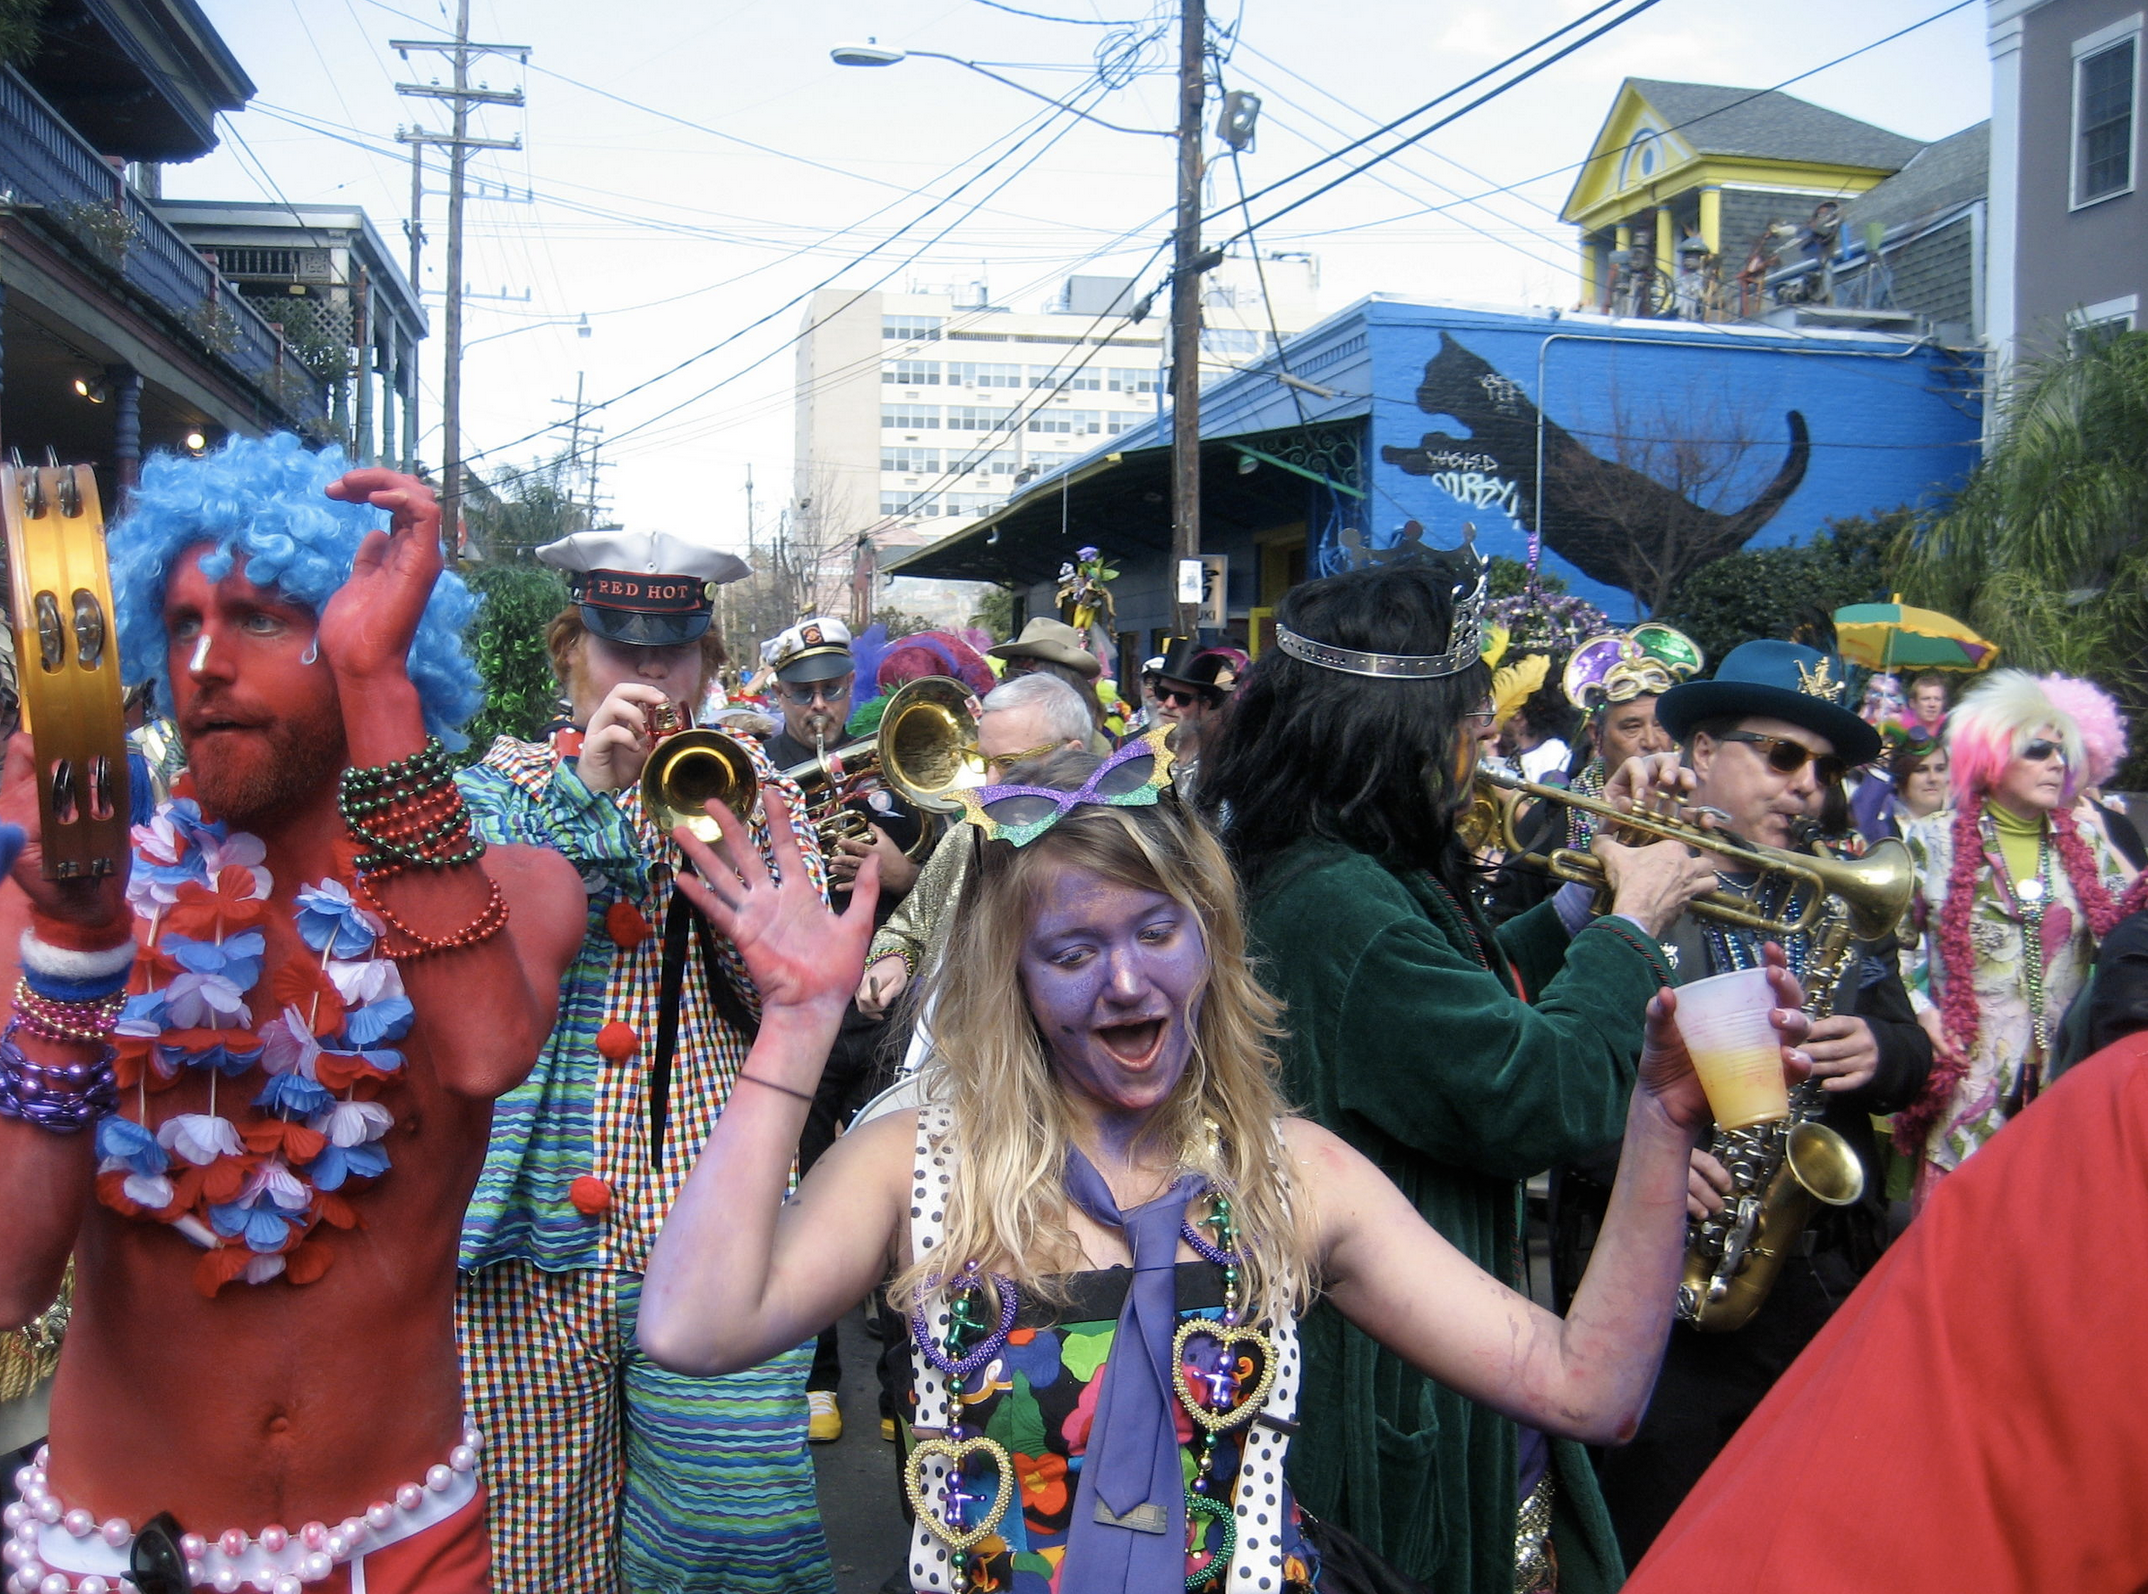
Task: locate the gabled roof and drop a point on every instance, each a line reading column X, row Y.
column 1710, row 124
column 1718, row 120
column 1942, row 176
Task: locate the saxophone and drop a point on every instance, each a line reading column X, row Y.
column 1782, row 1173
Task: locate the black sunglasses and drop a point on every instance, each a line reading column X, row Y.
column 1787, row 757
column 1177, row 698
column 157, row 1562
column 2040, row 749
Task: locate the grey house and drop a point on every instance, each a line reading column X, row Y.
column 2068, row 245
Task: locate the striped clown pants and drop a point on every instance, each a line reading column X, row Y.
column 605, row 1472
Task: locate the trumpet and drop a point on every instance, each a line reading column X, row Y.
column 67, row 665
column 925, row 751
column 690, row 768
column 1786, row 877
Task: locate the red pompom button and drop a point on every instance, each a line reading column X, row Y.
column 591, row 1196
column 626, row 924
column 616, row 1042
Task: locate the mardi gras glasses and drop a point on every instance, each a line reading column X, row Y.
column 1130, row 778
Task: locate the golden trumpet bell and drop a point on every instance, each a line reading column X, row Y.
column 691, row 769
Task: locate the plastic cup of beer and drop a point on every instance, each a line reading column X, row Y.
column 1735, row 1049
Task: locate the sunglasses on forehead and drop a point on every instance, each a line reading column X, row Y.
column 1786, row 757
column 1133, row 777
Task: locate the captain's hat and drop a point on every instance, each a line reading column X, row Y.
column 812, row 650
column 646, row 589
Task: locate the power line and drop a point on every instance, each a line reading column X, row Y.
column 1039, row 16
column 1455, row 115
column 1575, row 166
column 1439, row 99
column 1037, row 125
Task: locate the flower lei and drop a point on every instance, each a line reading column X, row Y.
column 250, row 1192
column 1957, row 958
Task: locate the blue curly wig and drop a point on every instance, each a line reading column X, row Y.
column 261, row 499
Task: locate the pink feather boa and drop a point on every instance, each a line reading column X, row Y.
column 1957, row 958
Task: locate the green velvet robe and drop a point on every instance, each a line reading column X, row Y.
column 1402, row 1042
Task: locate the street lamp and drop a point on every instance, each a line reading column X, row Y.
column 873, row 53
column 581, row 330
column 1188, row 262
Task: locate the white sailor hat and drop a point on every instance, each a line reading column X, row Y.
column 812, row 650
column 644, row 588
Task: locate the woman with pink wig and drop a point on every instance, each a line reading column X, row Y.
column 2013, row 894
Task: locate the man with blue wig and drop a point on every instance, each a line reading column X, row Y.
column 247, row 1081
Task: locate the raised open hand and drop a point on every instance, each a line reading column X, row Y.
column 800, row 955
column 367, row 627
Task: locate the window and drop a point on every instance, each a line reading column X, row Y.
column 1078, row 422
column 2094, row 325
column 970, row 373
column 973, row 503
column 910, row 461
column 979, row 418
column 1043, row 461
column 1064, row 378
column 910, row 417
column 1230, row 341
column 1125, row 381
column 1117, row 421
column 2105, row 68
column 999, row 462
column 911, row 328
column 1644, row 158
column 912, row 373
column 908, row 508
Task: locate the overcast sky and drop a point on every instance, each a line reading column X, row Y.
column 673, row 238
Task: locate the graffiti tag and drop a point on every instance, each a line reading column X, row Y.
column 1504, row 392
column 1480, row 491
column 1448, row 459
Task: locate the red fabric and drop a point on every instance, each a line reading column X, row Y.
column 1974, row 1418
column 454, row 1557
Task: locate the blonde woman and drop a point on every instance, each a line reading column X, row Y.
column 1104, row 1222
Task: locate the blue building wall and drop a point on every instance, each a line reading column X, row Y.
column 1772, row 432
column 1793, row 428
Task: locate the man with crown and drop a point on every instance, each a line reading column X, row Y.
column 247, row 1078
column 1759, row 745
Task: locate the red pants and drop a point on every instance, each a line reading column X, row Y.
column 451, row 1557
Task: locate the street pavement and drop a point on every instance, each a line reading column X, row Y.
column 860, row 1488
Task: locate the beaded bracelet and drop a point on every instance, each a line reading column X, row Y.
column 56, row 1019
column 484, row 927
column 426, row 766
column 60, row 1098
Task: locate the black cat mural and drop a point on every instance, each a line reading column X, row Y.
column 1495, row 466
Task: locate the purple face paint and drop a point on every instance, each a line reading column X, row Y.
column 1114, row 976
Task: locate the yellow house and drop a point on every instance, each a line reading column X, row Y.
column 1690, row 186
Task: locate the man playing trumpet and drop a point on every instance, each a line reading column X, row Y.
column 607, row 1467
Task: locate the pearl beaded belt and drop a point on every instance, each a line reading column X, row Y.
column 54, row 1550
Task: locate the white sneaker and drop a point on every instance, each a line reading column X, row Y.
column 824, row 1421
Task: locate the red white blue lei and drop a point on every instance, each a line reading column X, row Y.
column 250, row 1190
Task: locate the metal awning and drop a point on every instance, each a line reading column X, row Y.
column 1121, row 502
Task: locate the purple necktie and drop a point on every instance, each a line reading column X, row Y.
column 1129, row 1526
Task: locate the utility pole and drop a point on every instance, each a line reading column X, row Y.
column 458, row 144
column 1186, row 269
column 585, row 468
